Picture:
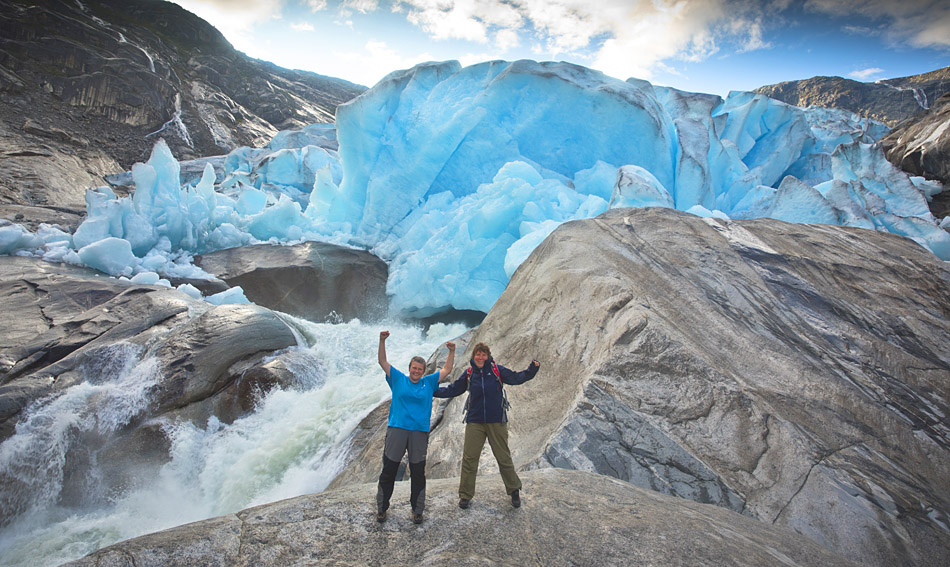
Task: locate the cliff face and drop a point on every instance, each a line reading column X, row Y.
column 86, row 88
column 890, row 101
column 922, row 147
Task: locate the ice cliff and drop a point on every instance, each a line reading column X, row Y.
column 453, row 175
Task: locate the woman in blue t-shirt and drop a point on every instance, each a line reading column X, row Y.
column 408, row 430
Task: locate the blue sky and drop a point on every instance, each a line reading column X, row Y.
column 711, row 46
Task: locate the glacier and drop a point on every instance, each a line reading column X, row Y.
column 453, row 175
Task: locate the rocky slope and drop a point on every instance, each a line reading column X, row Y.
column 922, row 147
column 568, row 518
column 890, row 101
column 87, row 87
column 794, row 373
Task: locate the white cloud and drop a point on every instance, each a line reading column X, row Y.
column 372, row 63
column 750, row 35
column 506, row 39
column 469, row 20
column 302, row 26
column 361, row 6
column 865, row 74
column 620, row 37
column 919, row 23
column 235, row 18
column 316, row 5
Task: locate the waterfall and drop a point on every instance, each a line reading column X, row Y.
column 151, row 60
column 176, row 123
column 293, row 443
column 919, row 95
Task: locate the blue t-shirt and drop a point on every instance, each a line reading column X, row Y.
column 411, row 407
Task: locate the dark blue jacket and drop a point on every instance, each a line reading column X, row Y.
column 485, row 399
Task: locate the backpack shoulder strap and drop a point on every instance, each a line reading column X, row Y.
column 494, row 368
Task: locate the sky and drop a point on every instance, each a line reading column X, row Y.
column 710, row 46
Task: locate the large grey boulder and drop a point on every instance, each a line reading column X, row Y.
column 568, row 518
column 795, row 373
column 312, row 280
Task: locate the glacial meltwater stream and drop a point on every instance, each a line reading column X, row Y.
column 293, row 443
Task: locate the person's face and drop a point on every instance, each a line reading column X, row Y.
column 415, row 371
column 480, row 357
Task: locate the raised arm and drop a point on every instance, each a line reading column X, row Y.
column 383, row 335
column 515, row 378
column 449, row 362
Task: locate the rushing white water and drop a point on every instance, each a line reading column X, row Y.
column 293, row 443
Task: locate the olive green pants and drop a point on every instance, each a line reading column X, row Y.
column 497, row 435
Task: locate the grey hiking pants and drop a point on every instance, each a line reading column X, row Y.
column 398, row 442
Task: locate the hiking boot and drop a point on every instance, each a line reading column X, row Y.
column 417, row 517
column 464, row 503
column 380, row 515
column 516, row 499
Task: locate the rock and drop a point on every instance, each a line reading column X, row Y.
column 795, row 373
column 568, row 518
column 921, row 146
column 197, row 356
column 32, row 216
column 312, row 280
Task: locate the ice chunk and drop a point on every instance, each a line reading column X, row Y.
column 796, row 202
column 637, row 187
column 15, row 238
column 598, row 180
column 110, row 255
column 148, row 278
column 230, row 295
column 190, row 290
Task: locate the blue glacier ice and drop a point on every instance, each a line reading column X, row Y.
column 454, row 175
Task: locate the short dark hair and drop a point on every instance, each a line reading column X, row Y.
column 418, row 359
column 482, row 347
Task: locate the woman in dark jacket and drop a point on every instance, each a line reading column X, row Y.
column 486, row 418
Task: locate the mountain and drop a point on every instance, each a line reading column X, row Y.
column 890, row 101
column 88, row 87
